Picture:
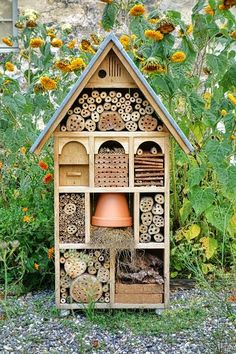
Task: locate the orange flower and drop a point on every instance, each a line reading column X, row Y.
column 50, row 252
column 178, row 57
column 233, row 35
column 154, row 35
column 48, row 178
column 137, row 10
column 77, row 64
column 43, row 165
column 23, row 150
column 232, row 98
column 71, row 44
column 25, row 209
column 63, row 66
column 1, row 165
column 26, row 218
column 36, row 266
column 9, row 66
column 36, row 42
column 7, row 41
column 48, row 83
column 56, row 42
column 208, row 10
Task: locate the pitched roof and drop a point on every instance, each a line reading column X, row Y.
column 111, row 40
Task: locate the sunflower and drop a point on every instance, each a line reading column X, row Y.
column 9, row 66
column 48, row 83
column 7, row 41
column 152, row 66
column 137, row 10
column 107, row 1
column 232, row 98
column 36, row 42
column 223, row 112
column 209, row 10
column 165, row 26
column 155, row 35
column 77, row 64
column 38, row 87
column 48, row 178
column 229, row 3
column 189, row 29
column 26, row 218
column 23, row 150
column 24, row 209
column 178, row 57
column 96, row 40
column 125, row 41
column 63, row 65
column 51, row 33
column 19, row 25
column 233, row 35
column 56, row 42
column 86, row 47
column 31, row 24
column 71, row 44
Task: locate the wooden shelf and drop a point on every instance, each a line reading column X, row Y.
column 82, row 189
column 150, row 245
column 122, row 134
column 75, row 306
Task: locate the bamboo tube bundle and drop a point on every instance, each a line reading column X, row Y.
column 71, row 218
column 98, row 100
column 92, row 107
column 147, row 123
column 128, row 109
column 90, row 125
column 90, row 100
column 131, row 126
column 85, row 96
column 85, row 105
column 75, row 123
column 85, row 113
column 63, row 128
column 95, row 116
column 151, row 226
column 103, row 95
column 77, row 110
column 95, row 94
column 70, row 111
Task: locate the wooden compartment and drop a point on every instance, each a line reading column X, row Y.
column 139, row 277
column 72, row 217
column 149, row 167
column 84, row 276
column 151, row 217
column 74, row 165
column 111, row 165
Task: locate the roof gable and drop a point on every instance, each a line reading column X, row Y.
column 111, row 42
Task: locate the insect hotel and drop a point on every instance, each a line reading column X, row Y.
column 111, row 152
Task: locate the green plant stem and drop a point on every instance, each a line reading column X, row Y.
column 174, row 183
column 5, row 275
column 29, row 68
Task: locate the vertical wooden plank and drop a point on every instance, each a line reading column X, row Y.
column 112, row 275
column 91, row 161
column 56, row 221
column 136, row 217
column 131, row 162
column 167, row 224
column 87, row 217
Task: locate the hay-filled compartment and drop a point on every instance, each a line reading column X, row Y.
column 111, row 165
column 151, row 217
column 84, row 276
column 72, row 217
column 139, row 277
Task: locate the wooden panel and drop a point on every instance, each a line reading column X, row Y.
column 74, row 153
column 138, row 298
column 77, row 175
column 113, row 72
column 139, row 288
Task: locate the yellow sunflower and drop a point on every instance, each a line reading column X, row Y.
column 48, row 83
column 77, row 64
column 7, row 41
column 137, row 10
column 9, row 66
column 178, row 57
column 36, row 42
column 56, row 42
column 155, row 35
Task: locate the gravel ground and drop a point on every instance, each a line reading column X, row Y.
column 35, row 327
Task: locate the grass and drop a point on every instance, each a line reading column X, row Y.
column 143, row 322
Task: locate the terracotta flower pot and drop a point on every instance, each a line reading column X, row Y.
column 112, row 211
